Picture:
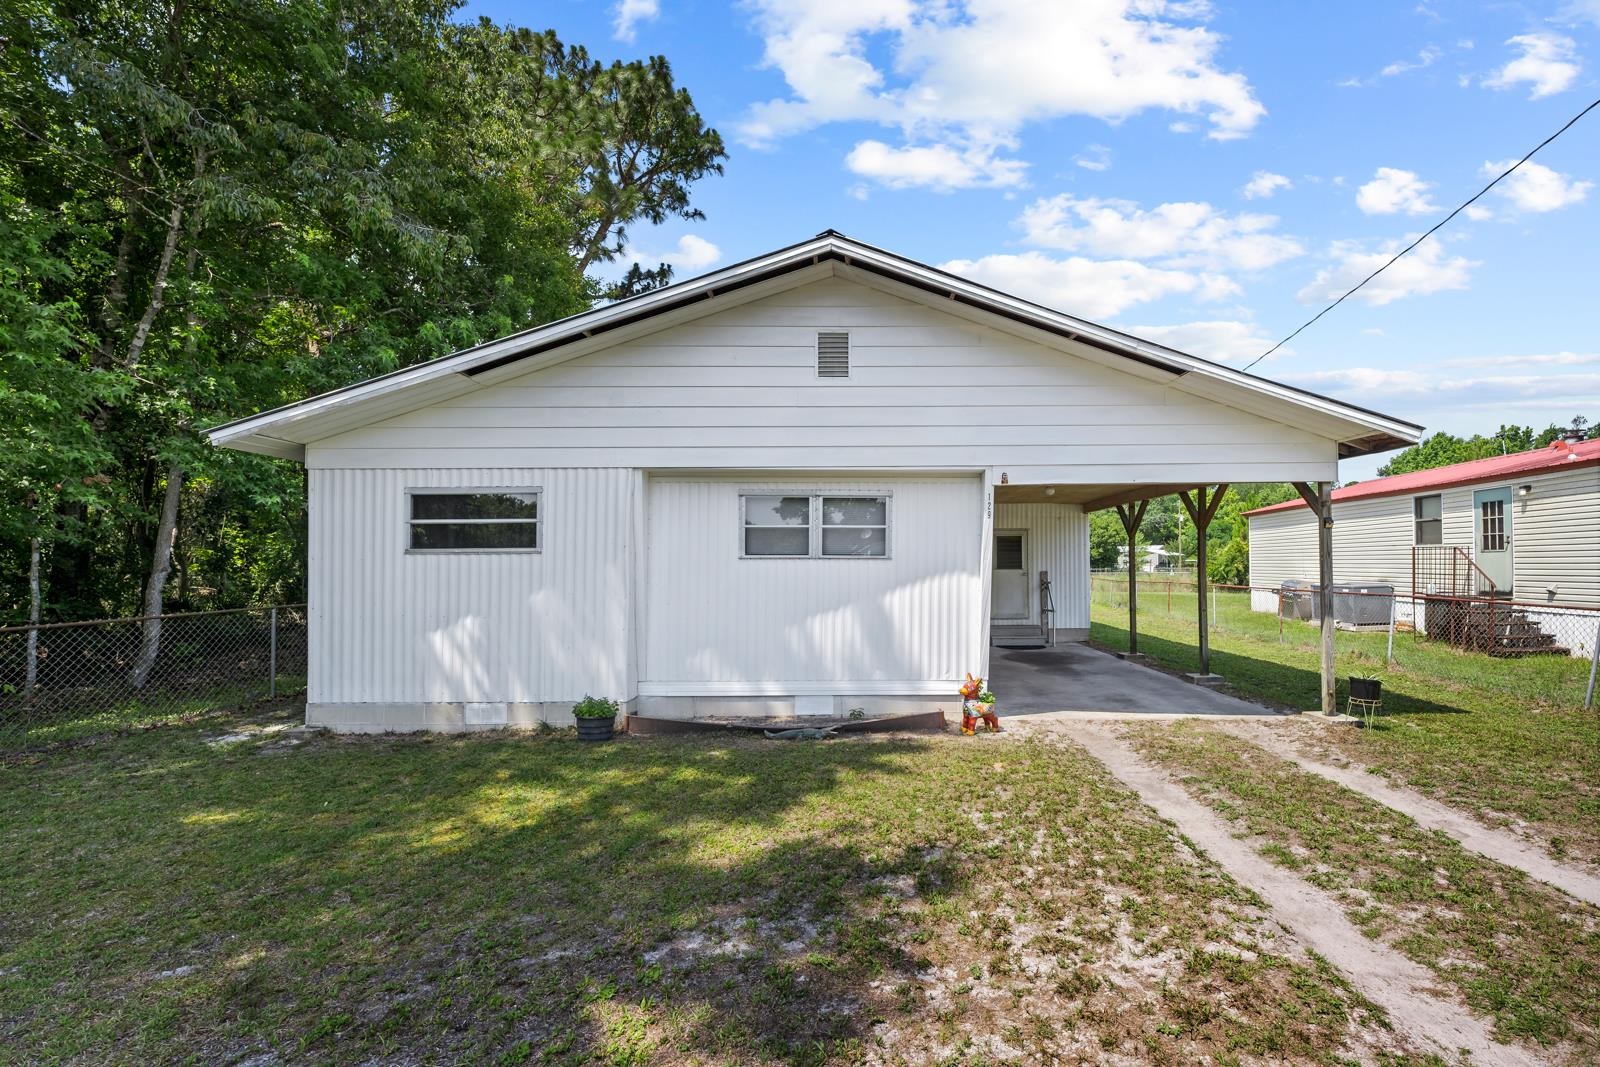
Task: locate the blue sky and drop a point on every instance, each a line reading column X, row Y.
column 1203, row 174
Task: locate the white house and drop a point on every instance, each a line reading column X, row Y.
column 804, row 482
column 1524, row 526
column 1155, row 559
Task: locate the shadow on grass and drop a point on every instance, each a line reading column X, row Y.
column 486, row 899
column 1278, row 682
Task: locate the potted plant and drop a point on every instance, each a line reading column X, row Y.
column 597, row 718
column 1366, row 688
column 986, row 710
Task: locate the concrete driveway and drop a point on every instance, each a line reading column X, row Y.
column 1076, row 680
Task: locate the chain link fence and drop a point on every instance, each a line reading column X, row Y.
column 61, row 681
column 1537, row 651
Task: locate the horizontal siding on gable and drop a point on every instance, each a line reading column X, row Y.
column 926, row 390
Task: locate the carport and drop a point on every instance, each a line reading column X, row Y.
column 1200, row 501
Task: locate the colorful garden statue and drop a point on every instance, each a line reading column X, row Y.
column 977, row 703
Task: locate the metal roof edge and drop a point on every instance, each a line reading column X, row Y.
column 828, row 245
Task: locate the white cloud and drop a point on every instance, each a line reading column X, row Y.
column 1494, row 391
column 1579, row 11
column 1548, row 63
column 1425, row 58
column 1547, row 359
column 1188, row 235
column 1533, row 187
column 1096, row 157
column 1263, row 184
column 1090, row 288
column 941, row 167
column 629, row 13
column 1221, row 340
column 1426, row 269
column 1392, row 190
column 690, row 253
column 1478, row 213
column 972, row 76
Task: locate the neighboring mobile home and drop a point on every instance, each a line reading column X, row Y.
column 1524, row 527
column 804, row 482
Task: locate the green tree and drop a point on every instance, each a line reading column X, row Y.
column 1443, row 449
column 209, row 210
column 1107, row 539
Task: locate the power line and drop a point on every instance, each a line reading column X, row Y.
column 1436, row 227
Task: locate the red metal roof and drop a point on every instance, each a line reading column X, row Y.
column 1556, row 455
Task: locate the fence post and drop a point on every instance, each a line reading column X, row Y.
column 1392, row 610
column 1213, row 607
column 272, row 656
column 1594, row 661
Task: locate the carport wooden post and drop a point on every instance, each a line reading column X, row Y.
column 1132, row 515
column 1320, row 501
column 1201, row 510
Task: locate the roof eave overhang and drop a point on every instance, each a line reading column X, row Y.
column 284, row 431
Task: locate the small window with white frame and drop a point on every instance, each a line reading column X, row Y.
column 473, row 520
column 1429, row 517
column 815, row 525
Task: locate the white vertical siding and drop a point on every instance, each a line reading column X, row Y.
column 1058, row 542
column 720, row 624
column 391, row 627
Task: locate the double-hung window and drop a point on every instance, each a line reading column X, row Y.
column 1429, row 520
column 815, row 525
column 473, row 520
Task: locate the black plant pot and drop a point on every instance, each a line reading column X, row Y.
column 1366, row 689
column 596, row 729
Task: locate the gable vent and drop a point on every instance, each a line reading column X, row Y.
column 833, row 355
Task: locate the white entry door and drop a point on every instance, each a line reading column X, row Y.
column 1009, row 598
column 1492, row 522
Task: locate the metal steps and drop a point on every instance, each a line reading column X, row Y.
column 1024, row 635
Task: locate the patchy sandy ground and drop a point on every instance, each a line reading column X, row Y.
column 1416, row 1006
column 1521, row 851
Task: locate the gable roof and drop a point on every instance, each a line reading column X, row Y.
column 284, row 431
column 1557, row 455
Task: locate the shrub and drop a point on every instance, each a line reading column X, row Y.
column 595, row 708
column 1230, row 565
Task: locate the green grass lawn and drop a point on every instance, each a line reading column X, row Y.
column 506, row 898
column 1504, row 738
column 1516, row 950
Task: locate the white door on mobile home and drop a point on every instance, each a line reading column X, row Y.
column 1492, row 535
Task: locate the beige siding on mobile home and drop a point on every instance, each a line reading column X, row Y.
column 1555, row 538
